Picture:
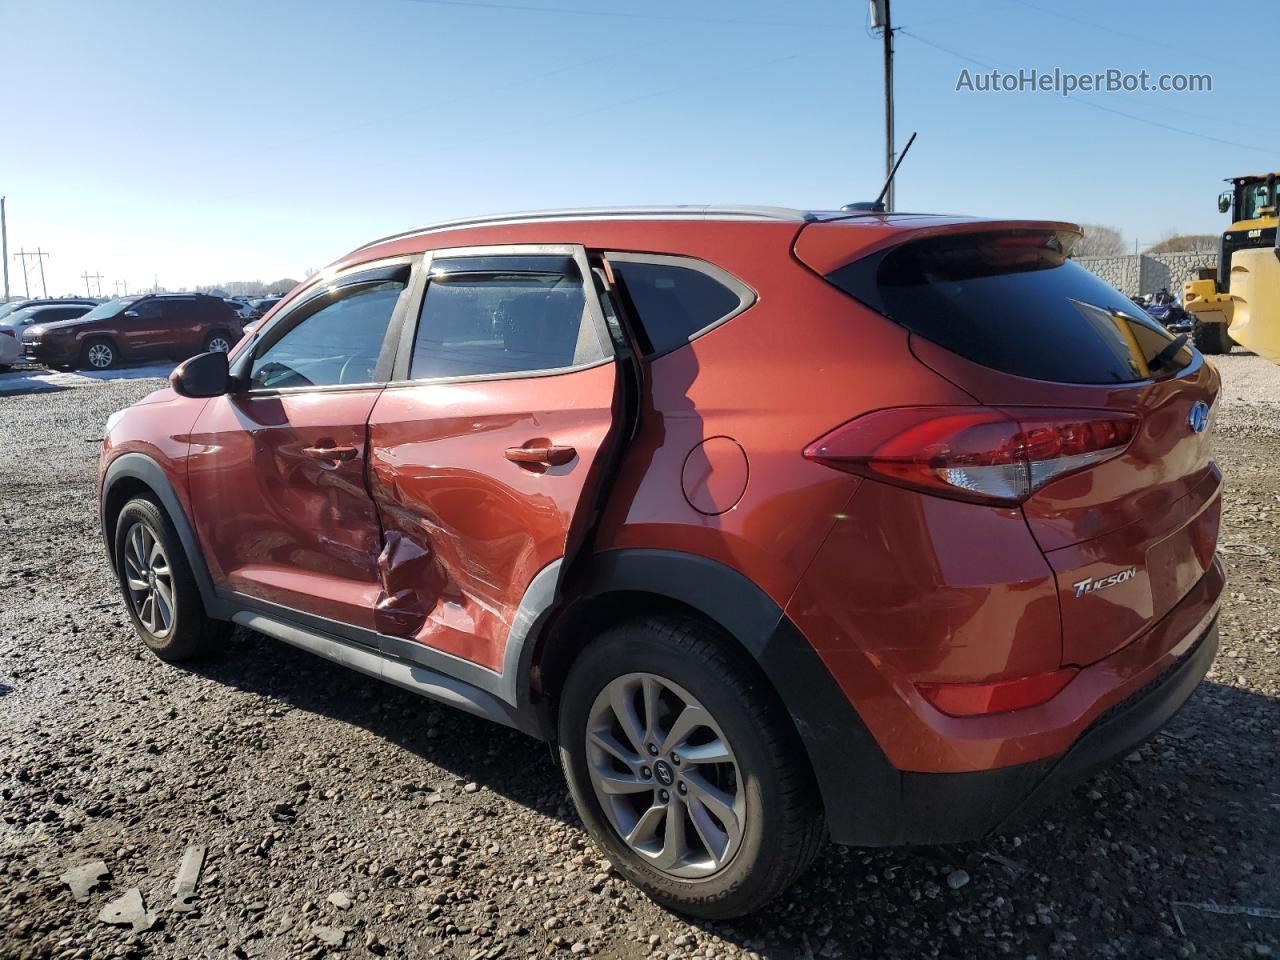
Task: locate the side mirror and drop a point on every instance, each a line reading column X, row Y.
column 206, row 375
column 131, row 313
column 1224, row 201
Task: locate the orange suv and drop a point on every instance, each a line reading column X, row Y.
column 780, row 525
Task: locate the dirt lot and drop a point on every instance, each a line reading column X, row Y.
column 342, row 815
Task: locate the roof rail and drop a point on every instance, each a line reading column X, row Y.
column 689, row 211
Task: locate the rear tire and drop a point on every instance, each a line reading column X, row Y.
column 99, row 354
column 766, row 823
column 219, row 341
column 1211, row 337
column 159, row 590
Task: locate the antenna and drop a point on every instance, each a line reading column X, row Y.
column 892, row 173
column 877, row 205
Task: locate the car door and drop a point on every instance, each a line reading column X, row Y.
column 277, row 468
column 142, row 327
column 486, row 450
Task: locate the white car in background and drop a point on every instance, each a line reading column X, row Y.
column 28, row 313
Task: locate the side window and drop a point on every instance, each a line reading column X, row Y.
column 677, row 298
column 179, row 310
column 337, row 342
column 147, row 309
column 485, row 316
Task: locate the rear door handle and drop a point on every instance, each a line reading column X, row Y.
column 552, row 456
column 331, row 453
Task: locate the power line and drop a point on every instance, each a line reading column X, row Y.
column 39, row 256
column 1117, row 33
column 625, row 15
column 86, row 277
column 1072, row 98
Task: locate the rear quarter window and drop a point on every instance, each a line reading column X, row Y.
column 1014, row 302
column 676, row 299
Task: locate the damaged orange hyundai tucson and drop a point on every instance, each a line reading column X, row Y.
column 780, row 525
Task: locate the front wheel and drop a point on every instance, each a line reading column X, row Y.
column 159, row 590
column 218, row 342
column 685, row 769
column 99, row 354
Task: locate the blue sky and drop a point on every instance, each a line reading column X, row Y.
column 204, row 141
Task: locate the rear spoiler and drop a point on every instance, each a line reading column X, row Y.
column 825, row 247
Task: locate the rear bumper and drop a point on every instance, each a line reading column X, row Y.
column 939, row 807
column 1122, row 701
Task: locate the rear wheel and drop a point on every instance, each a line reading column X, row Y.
column 685, row 770
column 99, row 354
column 218, row 342
column 159, row 591
column 1211, row 337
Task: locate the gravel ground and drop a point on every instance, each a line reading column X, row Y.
column 344, row 816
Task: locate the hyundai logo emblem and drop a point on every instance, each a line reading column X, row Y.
column 1199, row 416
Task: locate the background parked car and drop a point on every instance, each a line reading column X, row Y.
column 172, row 326
column 41, row 311
column 262, row 305
column 242, row 307
column 6, row 309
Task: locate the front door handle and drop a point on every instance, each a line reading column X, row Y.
column 551, row 456
column 330, row 453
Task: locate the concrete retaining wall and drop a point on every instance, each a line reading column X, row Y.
column 1148, row 273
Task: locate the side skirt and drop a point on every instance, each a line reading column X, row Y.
column 407, row 675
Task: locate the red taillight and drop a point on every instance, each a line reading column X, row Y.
column 9, row 333
column 1001, row 696
column 974, row 453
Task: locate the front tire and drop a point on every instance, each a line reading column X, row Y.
column 686, row 770
column 218, row 342
column 159, row 590
column 99, row 354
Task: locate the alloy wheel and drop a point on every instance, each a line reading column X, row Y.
column 149, row 579
column 219, row 344
column 665, row 775
column 100, row 356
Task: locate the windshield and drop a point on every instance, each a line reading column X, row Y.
column 8, row 308
column 109, row 309
column 20, row 318
column 1253, row 197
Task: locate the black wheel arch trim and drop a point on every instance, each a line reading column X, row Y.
column 140, row 467
column 853, row 774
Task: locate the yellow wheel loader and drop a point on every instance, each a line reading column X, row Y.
column 1242, row 302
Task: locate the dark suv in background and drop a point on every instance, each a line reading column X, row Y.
column 158, row 326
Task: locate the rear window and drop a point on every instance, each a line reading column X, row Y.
column 676, row 299
column 1013, row 301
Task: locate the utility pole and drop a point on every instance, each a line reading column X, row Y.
column 122, row 284
column 39, row 256
column 87, row 276
column 4, row 249
column 882, row 20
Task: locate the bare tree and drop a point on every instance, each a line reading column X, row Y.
column 1099, row 241
column 1186, row 243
